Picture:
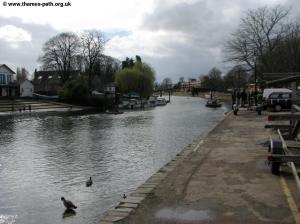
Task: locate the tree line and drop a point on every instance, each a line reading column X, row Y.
column 68, row 52
column 266, row 41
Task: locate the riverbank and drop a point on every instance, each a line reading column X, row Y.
column 28, row 106
column 220, row 178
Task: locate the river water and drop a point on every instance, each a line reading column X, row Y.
column 45, row 157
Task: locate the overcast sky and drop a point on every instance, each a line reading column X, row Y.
column 177, row 37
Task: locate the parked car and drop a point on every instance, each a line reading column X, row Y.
column 278, row 101
column 268, row 91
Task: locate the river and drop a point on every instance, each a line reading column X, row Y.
column 45, row 157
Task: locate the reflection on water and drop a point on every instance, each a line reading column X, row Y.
column 44, row 158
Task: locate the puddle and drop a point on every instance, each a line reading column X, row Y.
column 181, row 214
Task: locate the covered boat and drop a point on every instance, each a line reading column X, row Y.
column 213, row 103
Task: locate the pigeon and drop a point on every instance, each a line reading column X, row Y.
column 89, row 182
column 68, row 204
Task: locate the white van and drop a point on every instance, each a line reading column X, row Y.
column 267, row 92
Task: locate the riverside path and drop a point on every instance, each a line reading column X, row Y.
column 222, row 178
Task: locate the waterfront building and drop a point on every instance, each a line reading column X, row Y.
column 49, row 82
column 26, row 88
column 8, row 88
column 189, row 85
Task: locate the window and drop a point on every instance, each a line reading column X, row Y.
column 2, row 79
column 274, row 96
column 8, row 78
column 286, row 96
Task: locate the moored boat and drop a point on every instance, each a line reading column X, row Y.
column 213, row 103
column 161, row 101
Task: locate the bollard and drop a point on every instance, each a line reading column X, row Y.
column 258, row 109
column 235, row 109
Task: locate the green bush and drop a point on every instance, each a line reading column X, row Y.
column 75, row 89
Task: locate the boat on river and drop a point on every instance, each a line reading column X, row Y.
column 213, row 103
column 161, row 101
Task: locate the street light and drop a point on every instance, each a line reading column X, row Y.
column 255, row 80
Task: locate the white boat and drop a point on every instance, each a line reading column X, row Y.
column 152, row 101
column 161, row 101
column 134, row 104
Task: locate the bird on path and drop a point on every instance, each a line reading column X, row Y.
column 89, row 182
column 68, row 204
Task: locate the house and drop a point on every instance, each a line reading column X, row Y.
column 110, row 88
column 8, row 88
column 49, row 82
column 188, row 86
column 26, row 89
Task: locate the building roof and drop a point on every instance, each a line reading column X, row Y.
column 281, row 78
column 8, row 68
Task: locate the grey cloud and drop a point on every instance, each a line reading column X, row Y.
column 27, row 53
column 206, row 25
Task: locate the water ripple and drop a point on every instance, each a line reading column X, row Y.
column 44, row 158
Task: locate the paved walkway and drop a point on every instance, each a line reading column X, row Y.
column 224, row 179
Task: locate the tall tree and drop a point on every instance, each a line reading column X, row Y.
column 213, row 80
column 236, row 78
column 167, row 83
column 139, row 78
column 286, row 56
column 92, row 47
column 259, row 31
column 59, row 54
column 22, row 74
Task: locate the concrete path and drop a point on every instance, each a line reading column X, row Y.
column 225, row 179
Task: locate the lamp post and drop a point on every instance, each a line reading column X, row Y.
column 255, row 80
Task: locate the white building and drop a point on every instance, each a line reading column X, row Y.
column 26, row 89
column 7, row 87
column 187, row 86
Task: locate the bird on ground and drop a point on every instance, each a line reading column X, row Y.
column 89, row 182
column 124, row 196
column 68, row 204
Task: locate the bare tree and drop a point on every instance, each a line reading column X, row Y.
column 167, row 83
column 259, row 31
column 59, row 54
column 92, row 48
column 286, row 56
column 22, row 74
